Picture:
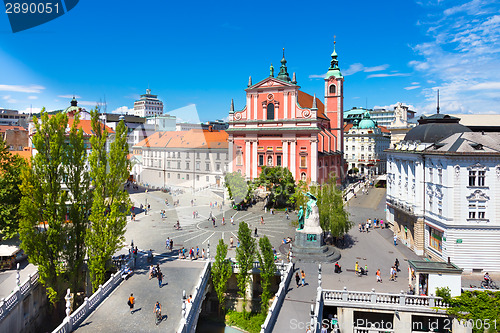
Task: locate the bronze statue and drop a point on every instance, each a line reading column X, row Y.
column 312, row 202
column 300, row 216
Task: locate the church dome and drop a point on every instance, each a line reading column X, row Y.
column 366, row 122
column 435, row 128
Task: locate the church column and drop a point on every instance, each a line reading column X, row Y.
column 254, row 159
column 231, row 155
column 292, row 107
column 285, row 109
column 247, row 159
column 255, row 110
column 314, row 160
column 285, row 153
column 293, row 158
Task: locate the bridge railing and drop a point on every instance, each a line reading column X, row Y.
column 273, row 312
column 191, row 311
column 72, row 321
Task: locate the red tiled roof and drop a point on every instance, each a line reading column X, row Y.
column 26, row 154
column 4, row 128
column 195, row 138
column 347, row 127
column 305, row 100
column 384, row 129
column 86, row 126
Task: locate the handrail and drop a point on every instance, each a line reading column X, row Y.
column 9, row 302
column 273, row 312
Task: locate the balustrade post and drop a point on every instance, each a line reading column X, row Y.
column 402, row 298
column 344, row 294
column 431, row 300
column 183, row 310
column 373, row 296
column 68, row 310
column 3, row 306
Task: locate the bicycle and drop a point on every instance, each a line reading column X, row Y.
column 489, row 284
column 158, row 316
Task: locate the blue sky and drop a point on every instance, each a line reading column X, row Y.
column 198, row 55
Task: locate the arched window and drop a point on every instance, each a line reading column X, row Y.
column 303, row 176
column 333, row 89
column 270, row 111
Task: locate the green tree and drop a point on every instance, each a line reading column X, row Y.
column 237, row 187
column 221, row 272
column 77, row 180
column 479, row 306
column 333, row 215
column 42, row 226
column 245, row 255
column 299, row 197
column 108, row 171
column 267, row 271
column 280, row 183
column 10, row 193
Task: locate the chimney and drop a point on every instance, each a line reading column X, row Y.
column 449, row 260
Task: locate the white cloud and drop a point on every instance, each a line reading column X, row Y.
column 32, row 97
column 36, row 89
column 123, row 110
column 68, row 96
column 87, row 103
column 386, row 75
column 392, row 106
column 6, row 97
column 31, row 110
column 353, row 69
column 317, row 76
column 411, row 87
column 376, row 68
column 462, row 58
column 415, row 83
column 486, row 86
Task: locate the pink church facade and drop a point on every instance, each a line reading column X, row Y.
column 284, row 126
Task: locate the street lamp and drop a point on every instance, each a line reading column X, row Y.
column 146, row 207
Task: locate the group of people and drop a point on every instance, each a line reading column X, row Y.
column 300, row 280
column 369, row 224
column 154, row 271
column 192, row 253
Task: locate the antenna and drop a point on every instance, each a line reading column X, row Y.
column 437, row 109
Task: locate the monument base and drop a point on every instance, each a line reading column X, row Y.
column 308, row 247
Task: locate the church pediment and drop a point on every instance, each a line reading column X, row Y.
column 271, row 82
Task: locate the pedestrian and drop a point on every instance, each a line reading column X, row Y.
column 360, row 227
column 303, row 275
column 223, row 221
column 381, row 224
column 356, row 268
column 297, row 279
column 265, row 209
column 324, row 329
column 262, row 220
column 396, row 265
column 150, row 271
column 131, row 302
column 197, row 252
column 231, row 241
column 255, row 232
column 203, row 253
column 160, row 278
column 287, row 216
column 171, row 244
column 379, row 279
column 149, row 207
column 232, row 220
column 395, row 240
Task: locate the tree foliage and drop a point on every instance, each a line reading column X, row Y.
column 332, row 213
column 237, row 187
column 109, row 171
column 43, row 228
column 299, row 197
column 280, row 183
column 267, row 271
column 10, row 193
column 221, row 272
column 245, row 255
column 476, row 306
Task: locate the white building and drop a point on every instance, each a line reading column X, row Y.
column 148, row 106
column 162, row 123
column 443, row 191
column 385, row 117
column 401, row 123
column 364, row 145
column 187, row 159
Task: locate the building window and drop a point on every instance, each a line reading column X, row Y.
column 238, row 158
column 178, row 165
column 353, row 156
column 278, row 160
column 270, row 111
column 369, row 148
column 269, row 161
column 303, row 176
column 208, row 178
column 187, row 165
column 178, row 155
column 159, row 174
column 261, row 160
column 440, row 176
column 207, row 166
column 480, row 178
column 362, row 139
column 431, row 175
column 362, row 157
column 218, row 156
column 480, row 215
column 436, row 239
column 197, row 177
column 472, row 215
column 472, row 178
column 187, row 176
column 197, row 165
column 332, row 89
column 208, row 156
column 197, row 155
column 353, row 147
column 178, row 176
column 362, row 148
column 303, row 161
column 168, row 164
column 168, row 175
column 346, row 147
column 217, row 167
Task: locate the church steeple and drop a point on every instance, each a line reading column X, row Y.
column 283, row 74
column 334, row 69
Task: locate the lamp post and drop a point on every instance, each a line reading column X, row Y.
column 146, row 206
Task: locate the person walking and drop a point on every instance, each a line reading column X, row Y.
column 297, row 279
column 262, row 220
column 395, row 240
column 303, row 276
column 171, row 244
column 232, row 220
column 356, row 268
column 160, row 278
column 131, row 302
column 197, row 252
column 255, row 232
column 379, row 278
column 231, row 241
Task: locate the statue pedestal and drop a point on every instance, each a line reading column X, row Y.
column 308, row 247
